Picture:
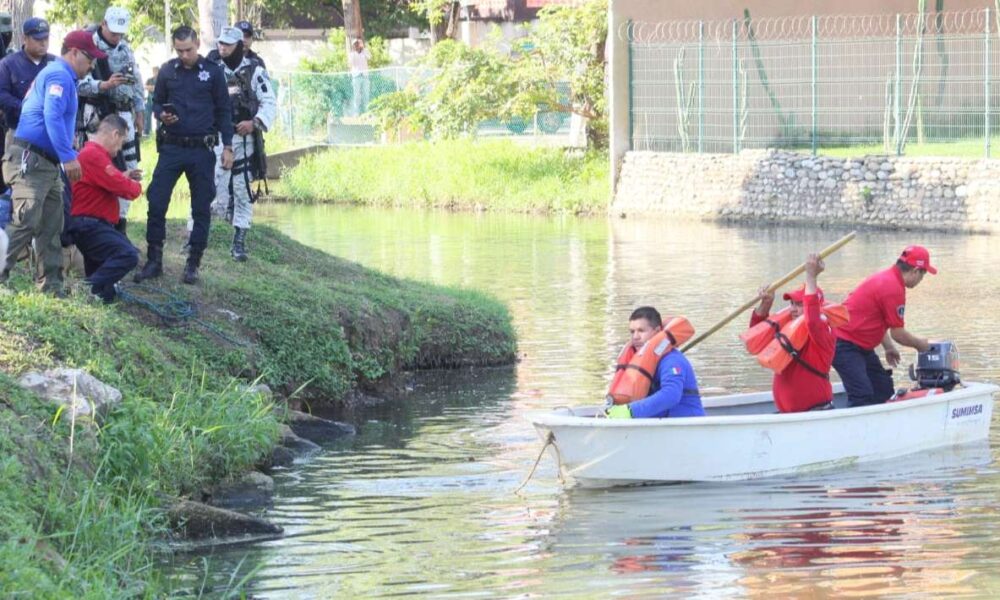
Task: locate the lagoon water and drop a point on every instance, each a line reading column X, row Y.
column 420, row 502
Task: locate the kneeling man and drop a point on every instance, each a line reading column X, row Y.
column 107, row 254
column 673, row 389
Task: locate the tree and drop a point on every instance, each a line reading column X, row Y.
column 213, row 15
column 558, row 67
column 146, row 16
column 19, row 10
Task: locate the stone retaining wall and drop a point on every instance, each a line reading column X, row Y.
column 788, row 187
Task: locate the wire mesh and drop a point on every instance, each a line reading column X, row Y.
column 885, row 83
column 334, row 108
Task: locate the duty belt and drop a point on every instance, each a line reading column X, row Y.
column 197, row 141
column 37, row 150
column 122, row 106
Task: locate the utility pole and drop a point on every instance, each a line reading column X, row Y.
column 353, row 26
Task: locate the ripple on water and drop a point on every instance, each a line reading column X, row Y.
column 420, row 502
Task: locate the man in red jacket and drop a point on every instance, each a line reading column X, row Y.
column 805, row 383
column 107, row 254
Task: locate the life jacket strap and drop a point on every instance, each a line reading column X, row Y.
column 786, row 345
column 644, row 372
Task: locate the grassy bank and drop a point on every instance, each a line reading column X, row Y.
column 79, row 523
column 497, row 175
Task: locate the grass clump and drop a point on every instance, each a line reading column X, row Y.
column 80, row 524
column 499, row 175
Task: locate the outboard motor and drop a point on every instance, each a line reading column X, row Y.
column 937, row 367
column 936, row 372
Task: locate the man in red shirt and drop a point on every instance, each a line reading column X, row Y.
column 877, row 307
column 805, row 383
column 107, row 254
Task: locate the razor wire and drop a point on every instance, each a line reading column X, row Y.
column 811, row 82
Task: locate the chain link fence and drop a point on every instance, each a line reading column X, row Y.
column 886, row 83
column 333, row 108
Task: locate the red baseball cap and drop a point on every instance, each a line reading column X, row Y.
column 83, row 41
column 799, row 294
column 919, row 257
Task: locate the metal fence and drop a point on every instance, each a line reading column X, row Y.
column 900, row 83
column 333, row 108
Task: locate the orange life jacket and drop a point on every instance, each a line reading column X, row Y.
column 760, row 335
column 913, row 394
column 634, row 370
column 793, row 336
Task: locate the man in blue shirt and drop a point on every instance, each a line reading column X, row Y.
column 41, row 148
column 18, row 70
column 191, row 101
column 673, row 391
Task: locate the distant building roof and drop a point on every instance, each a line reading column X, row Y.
column 508, row 10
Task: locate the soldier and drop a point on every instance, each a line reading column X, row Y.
column 254, row 107
column 192, row 103
column 114, row 86
column 247, row 35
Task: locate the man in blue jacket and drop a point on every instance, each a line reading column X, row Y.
column 18, row 70
column 42, row 148
column 674, row 388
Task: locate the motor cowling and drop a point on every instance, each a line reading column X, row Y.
column 937, row 367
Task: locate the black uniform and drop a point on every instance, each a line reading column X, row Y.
column 200, row 99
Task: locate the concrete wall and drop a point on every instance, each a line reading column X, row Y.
column 787, row 187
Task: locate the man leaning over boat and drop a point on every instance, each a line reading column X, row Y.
column 653, row 378
column 804, row 382
column 877, row 307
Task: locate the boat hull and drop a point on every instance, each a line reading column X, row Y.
column 738, row 447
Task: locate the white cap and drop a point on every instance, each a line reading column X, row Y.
column 230, row 35
column 117, row 19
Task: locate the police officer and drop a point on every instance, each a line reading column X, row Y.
column 254, row 107
column 18, row 70
column 247, row 32
column 191, row 101
column 114, row 86
column 42, row 147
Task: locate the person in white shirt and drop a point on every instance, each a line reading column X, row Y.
column 357, row 61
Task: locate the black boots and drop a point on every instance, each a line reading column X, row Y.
column 154, row 264
column 190, row 276
column 239, row 250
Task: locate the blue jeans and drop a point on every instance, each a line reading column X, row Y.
column 866, row 381
column 198, row 165
column 108, row 256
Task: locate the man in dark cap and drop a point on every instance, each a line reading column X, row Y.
column 18, row 70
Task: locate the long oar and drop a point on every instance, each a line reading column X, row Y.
column 777, row 284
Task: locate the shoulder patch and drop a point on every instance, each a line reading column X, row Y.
column 900, row 310
column 675, row 370
column 56, row 90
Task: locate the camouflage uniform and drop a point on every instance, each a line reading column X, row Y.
column 122, row 100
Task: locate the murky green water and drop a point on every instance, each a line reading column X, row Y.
column 420, row 503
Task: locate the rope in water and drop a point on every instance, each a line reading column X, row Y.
column 172, row 309
column 549, row 439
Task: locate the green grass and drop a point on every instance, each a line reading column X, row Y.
column 970, row 148
column 498, row 175
column 81, row 526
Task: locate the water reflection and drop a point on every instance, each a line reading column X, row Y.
column 420, row 502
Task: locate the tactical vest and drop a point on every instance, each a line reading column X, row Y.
column 240, row 84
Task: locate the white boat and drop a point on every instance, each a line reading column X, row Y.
column 742, row 438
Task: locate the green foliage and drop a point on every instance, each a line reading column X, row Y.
column 333, row 57
column 567, row 44
column 466, row 87
column 466, row 174
column 145, row 15
column 558, row 67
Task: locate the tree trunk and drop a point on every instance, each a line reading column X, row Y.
column 20, row 11
column 213, row 15
column 353, row 27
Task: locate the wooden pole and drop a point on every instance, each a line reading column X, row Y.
column 774, row 286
